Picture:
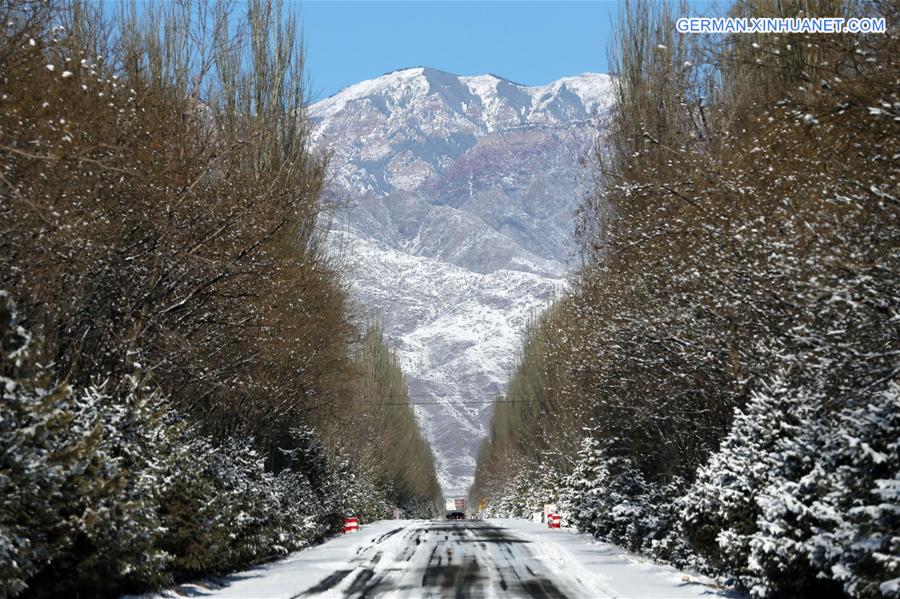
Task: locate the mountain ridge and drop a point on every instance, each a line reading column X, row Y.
column 459, row 194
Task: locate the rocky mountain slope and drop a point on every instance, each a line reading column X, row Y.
column 457, row 199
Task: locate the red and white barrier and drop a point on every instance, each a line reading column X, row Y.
column 351, row 525
column 554, row 521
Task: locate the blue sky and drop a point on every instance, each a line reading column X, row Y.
column 528, row 42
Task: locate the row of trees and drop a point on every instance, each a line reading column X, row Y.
column 380, row 433
column 719, row 386
column 183, row 378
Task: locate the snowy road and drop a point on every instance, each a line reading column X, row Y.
column 494, row 558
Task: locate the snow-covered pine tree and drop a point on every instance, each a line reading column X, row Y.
column 579, row 490
column 743, row 515
column 540, row 486
column 45, row 450
column 106, row 490
column 856, row 504
column 608, row 496
column 77, row 480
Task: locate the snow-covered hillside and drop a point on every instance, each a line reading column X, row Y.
column 454, row 330
column 459, row 195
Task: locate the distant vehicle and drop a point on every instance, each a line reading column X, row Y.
column 456, row 515
column 457, row 504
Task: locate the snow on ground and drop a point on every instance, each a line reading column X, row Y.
column 294, row 574
column 437, row 558
column 615, row 571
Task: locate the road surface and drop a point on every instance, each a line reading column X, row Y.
column 495, row 558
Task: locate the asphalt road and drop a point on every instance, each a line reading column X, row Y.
column 448, row 559
column 440, row 558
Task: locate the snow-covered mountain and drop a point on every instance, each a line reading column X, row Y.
column 458, row 197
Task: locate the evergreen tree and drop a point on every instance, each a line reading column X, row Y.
column 854, row 499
